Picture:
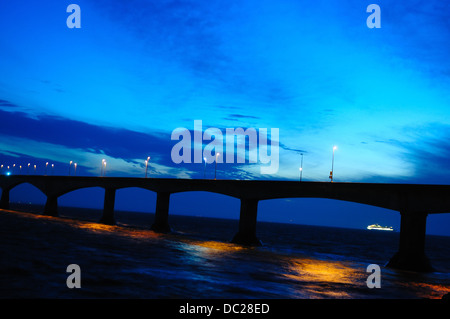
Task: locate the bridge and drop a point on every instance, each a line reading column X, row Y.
column 413, row 201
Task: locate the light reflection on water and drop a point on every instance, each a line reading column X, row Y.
column 178, row 265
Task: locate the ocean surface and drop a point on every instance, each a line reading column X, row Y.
column 197, row 260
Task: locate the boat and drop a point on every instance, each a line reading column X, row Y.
column 378, row 227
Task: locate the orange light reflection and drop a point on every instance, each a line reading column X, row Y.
column 317, row 276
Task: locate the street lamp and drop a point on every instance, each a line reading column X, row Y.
column 332, row 164
column 146, row 166
column 34, row 169
column 204, row 169
column 46, row 164
column 53, row 166
column 75, row 169
column 70, row 165
column 28, row 169
column 215, row 169
column 101, row 169
column 301, row 168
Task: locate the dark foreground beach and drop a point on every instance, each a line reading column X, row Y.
column 198, row 261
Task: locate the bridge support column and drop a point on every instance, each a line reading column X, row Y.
column 411, row 252
column 161, row 223
column 247, row 223
column 4, row 203
column 108, row 207
column 51, row 206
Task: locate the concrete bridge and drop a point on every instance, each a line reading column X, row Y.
column 414, row 202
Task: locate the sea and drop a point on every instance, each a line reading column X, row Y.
column 198, row 261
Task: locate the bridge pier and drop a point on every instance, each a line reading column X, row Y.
column 4, row 203
column 161, row 223
column 51, row 206
column 411, row 252
column 108, row 207
column 247, row 223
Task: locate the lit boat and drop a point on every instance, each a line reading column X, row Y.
column 378, row 227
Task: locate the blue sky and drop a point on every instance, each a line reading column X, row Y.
column 136, row 70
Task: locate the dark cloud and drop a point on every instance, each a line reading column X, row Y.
column 185, row 31
column 7, row 104
column 240, row 116
column 115, row 142
column 300, row 151
column 429, row 153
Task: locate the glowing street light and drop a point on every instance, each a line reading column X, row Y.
column 103, row 164
column 215, row 169
column 28, row 169
column 332, row 164
column 1, row 169
column 53, row 166
column 46, row 164
column 146, row 166
column 70, row 165
column 34, row 169
column 301, row 168
column 204, row 169
column 75, row 169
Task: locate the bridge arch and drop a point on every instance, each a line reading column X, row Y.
column 326, row 212
column 129, row 200
column 140, row 196
column 27, row 196
column 205, row 204
column 35, row 184
column 88, row 199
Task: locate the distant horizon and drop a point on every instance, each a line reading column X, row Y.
column 235, row 218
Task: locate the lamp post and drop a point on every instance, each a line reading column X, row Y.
column 215, row 169
column 204, row 169
column 34, row 169
column 146, row 166
column 46, row 164
column 53, row 166
column 301, row 168
column 332, row 164
column 101, row 169
column 70, row 165
column 1, row 169
column 75, row 169
column 28, row 169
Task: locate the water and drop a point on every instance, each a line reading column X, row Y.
column 197, row 260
